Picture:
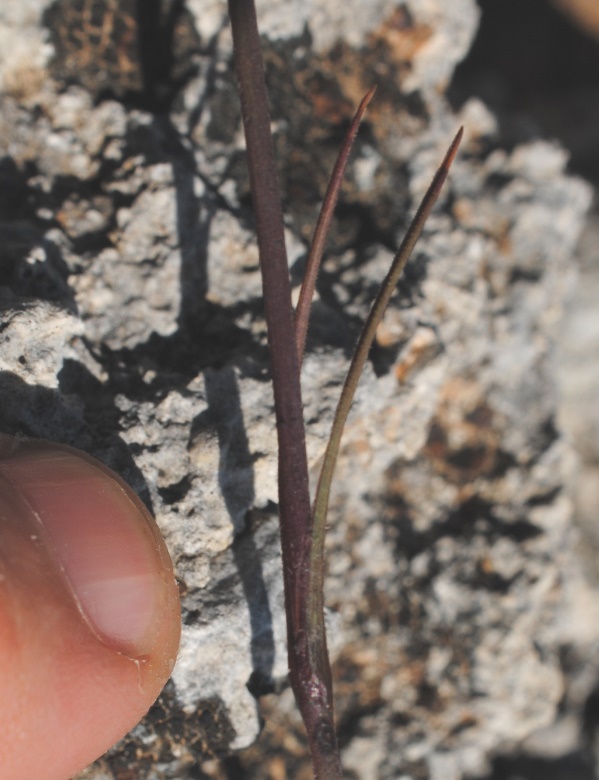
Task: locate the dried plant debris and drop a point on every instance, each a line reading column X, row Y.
column 454, row 583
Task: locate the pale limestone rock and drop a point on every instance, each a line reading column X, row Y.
column 450, row 541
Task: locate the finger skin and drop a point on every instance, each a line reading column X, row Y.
column 66, row 695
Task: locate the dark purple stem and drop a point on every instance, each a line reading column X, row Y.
column 312, row 692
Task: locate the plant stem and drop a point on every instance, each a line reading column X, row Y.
column 321, row 503
column 312, row 688
column 302, row 311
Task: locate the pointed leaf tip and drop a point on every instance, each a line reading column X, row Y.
column 302, row 312
column 368, row 96
column 453, row 149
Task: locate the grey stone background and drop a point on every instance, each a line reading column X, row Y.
column 462, row 579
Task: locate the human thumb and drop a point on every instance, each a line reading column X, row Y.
column 89, row 610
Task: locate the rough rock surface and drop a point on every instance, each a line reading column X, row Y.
column 132, row 328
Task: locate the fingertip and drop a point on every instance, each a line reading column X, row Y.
column 89, row 609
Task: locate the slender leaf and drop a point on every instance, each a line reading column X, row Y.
column 302, row 311
column 315, row 599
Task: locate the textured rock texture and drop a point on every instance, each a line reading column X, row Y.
column 132, row 328
column 579, row 383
